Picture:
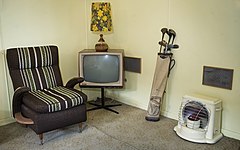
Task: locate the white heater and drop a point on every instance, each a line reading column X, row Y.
column 200, row 119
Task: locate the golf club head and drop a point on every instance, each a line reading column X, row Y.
column 174, row 46
column 164, row 30
column 162, row 43
column 171, row 31
column 171, row 46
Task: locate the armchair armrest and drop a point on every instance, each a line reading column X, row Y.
column 72, row 82
column 17, row 99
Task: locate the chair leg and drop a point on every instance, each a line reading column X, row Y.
column 41, row 138
column 80, row 127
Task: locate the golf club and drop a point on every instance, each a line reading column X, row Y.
column 173, row 34
column 163, row 30
column 174, row 46
column 162, row 43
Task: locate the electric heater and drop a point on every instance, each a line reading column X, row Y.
column 200, row 119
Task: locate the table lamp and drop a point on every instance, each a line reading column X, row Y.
column 101, row 22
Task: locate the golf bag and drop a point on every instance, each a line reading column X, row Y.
column 164, row 64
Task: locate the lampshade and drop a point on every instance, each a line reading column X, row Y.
column 101, row 17
column 101, row 22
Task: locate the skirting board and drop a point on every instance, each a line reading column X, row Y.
column 231, row 134
column 131, row 103
column 128, row 101
column 170, row 115
column 6, row 121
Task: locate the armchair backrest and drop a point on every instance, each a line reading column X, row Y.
column 34, row 67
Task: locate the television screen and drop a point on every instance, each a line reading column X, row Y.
column 101, row 68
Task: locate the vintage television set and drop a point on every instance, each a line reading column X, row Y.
column 101, row 70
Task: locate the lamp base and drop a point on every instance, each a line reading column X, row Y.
column 101, row 46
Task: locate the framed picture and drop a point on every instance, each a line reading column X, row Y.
column 217, row 77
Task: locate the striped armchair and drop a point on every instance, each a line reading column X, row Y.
column 40, row 100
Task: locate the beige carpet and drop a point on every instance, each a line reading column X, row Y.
column 106, row 130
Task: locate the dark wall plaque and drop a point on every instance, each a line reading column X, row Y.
column 132, row 64
column 217, row 77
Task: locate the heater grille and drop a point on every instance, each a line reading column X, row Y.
column 194, row 115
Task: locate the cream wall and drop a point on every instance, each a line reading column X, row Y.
column 208, row 34
column 5, row 115
column 57, row 22
column 40, row 22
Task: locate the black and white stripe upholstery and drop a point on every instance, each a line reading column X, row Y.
column 37, row 68
column 53, row 99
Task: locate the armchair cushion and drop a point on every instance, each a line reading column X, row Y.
column 34, row 67
column 53, row 99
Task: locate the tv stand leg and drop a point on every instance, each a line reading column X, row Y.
column 103, row 106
